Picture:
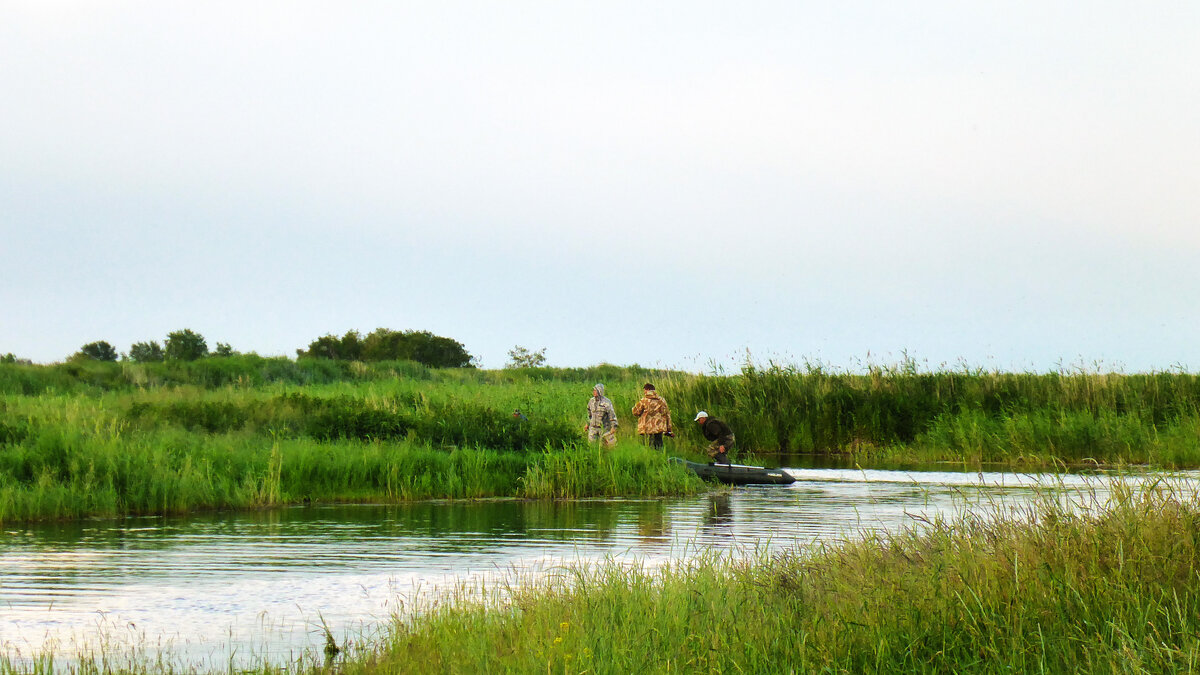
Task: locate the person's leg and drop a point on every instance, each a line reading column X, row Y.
column 593, row 434
column 656, row 441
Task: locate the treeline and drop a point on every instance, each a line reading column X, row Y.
column 240, row 370
column 381, row 344
column 86, row 376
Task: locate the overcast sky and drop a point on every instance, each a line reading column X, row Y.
column 1011, row 185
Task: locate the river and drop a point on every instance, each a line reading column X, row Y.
column 237, row 589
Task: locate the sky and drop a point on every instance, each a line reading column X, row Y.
column 1011, row 186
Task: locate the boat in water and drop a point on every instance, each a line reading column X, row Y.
column 738, row 474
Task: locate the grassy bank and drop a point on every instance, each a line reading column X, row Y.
column 75, row 474
column 92, row 438
column 179, row 448
column 1048, row 591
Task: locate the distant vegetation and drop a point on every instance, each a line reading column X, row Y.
column 520, row 357
column 383, row 344
column 97, row 351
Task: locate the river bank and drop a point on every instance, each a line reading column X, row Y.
column 111, row 439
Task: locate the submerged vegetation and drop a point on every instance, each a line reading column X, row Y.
column 96, row 437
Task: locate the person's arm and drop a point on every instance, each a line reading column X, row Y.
column 639, row 407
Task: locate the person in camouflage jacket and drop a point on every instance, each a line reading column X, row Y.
column 602, row 418
column 654, row 417
column 719, row 433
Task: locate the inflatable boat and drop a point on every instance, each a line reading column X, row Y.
column 738, row 474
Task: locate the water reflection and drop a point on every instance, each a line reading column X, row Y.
column 254, row 585
column 652, row 523
column 720, row 509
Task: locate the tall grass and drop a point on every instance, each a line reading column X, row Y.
column 1054, row 589
column 71, row 474
column 969, row 416
column 114, row 438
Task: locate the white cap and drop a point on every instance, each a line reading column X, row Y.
column 699, row 415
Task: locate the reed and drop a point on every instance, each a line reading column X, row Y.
column 969, row 416
column 82, row 460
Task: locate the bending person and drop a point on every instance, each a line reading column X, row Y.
column 719, row 433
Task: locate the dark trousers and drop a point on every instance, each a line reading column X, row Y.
column 653, row 440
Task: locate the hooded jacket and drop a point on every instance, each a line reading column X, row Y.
column 601, row 414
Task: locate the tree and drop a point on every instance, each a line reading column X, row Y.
column 185, row 345
column 384, row 344
column 223, row 349
column 146, row 352
column 520, row 357
column 330, row 346
column 98, row 351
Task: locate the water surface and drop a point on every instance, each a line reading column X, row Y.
column 216, row 589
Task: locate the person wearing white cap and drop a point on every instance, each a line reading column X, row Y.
column 719, row 433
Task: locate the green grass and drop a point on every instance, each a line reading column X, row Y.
column 970, row 416
column 90, row 438
column 73, row 474
column 1050, row 590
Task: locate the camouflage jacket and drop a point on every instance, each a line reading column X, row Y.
column 716, row 430
column 654, row 417
column 601, row 413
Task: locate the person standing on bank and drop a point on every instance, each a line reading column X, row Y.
column 654, row 417
column 602, row 418
column 719, row 433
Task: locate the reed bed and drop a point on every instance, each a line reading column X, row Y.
column 970, row 416
column 67, row 475
column 1051, row 589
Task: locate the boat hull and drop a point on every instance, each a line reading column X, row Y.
column 739, row 474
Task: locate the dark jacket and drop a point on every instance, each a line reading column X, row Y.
column 716, row 430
